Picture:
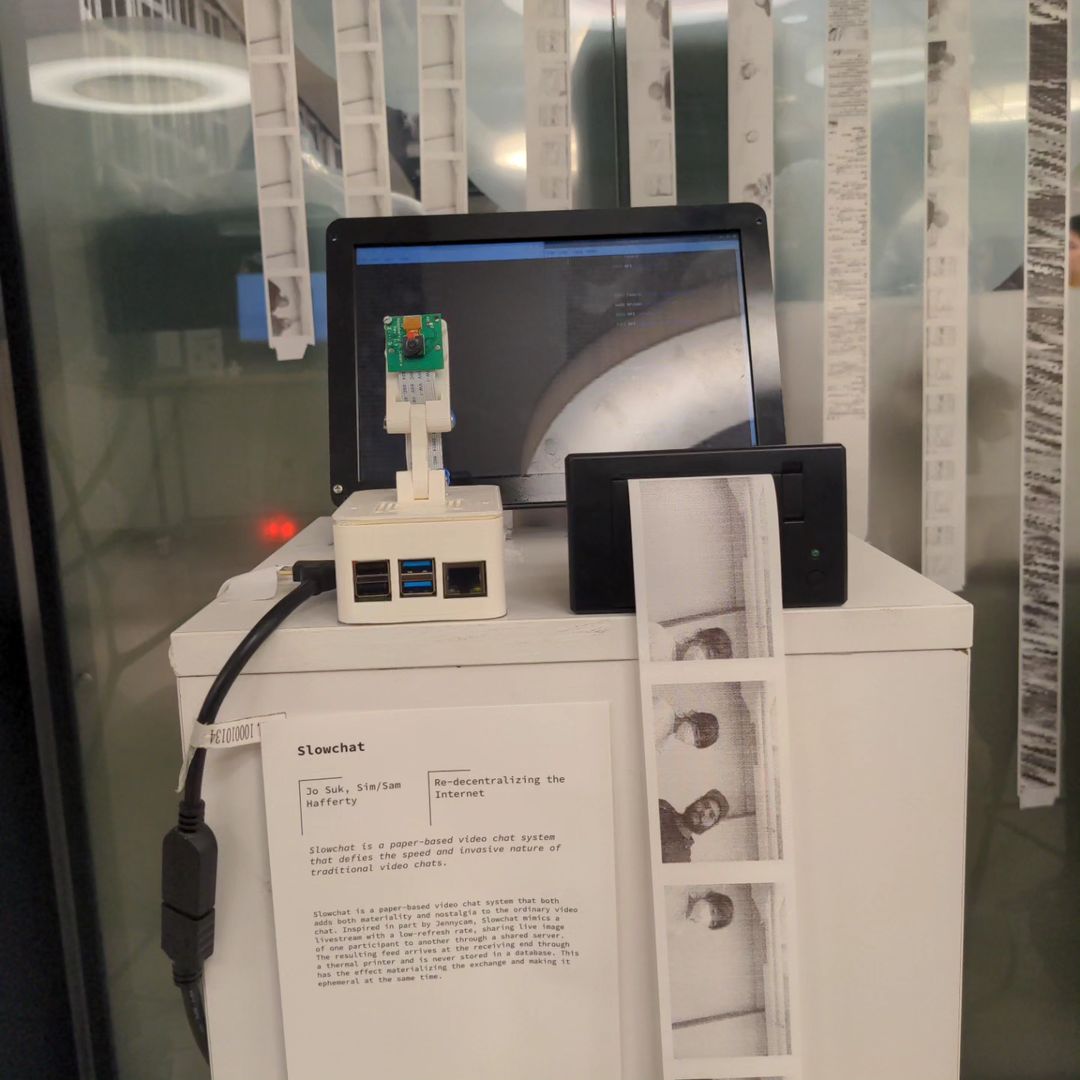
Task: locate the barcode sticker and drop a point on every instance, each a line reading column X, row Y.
column 224, row 736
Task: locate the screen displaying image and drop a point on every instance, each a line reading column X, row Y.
column 564, row 346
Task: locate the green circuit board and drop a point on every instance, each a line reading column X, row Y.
column 413, row 343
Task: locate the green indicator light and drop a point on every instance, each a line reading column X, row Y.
column 815, row 553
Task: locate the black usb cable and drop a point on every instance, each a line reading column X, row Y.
column 189, row 851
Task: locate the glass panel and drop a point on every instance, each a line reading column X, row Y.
column 182, row 452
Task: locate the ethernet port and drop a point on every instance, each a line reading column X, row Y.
column 464, row 579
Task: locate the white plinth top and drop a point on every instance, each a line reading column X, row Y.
column 890, row 608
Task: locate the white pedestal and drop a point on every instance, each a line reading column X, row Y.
column 879, row 715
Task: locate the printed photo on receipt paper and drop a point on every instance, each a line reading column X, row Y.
column 703, row 599
column 946, row 87
column 727, row 970
column 717, row 772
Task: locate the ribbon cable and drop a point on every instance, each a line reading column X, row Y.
column 418, row 387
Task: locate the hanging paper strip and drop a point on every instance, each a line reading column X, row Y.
column 279, row 176
column 714, row 710
column 444, row 166
column 1045, row 306
column 650, row 102
column 365, row 157
column 548, row 156
column 847, row 246
column 945, row 291
column 750, row 104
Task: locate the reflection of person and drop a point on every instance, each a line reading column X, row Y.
column 673, row 730
column 678, row 831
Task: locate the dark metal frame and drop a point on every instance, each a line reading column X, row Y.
column 344, row 236
column 54, row 917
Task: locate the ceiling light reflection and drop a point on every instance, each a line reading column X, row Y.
column 137, row 67
column 139, row 85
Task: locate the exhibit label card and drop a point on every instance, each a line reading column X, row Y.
column 444, row 892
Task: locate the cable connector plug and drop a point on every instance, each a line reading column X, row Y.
column 188, row 884
column 318, row 571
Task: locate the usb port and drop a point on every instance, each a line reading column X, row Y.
column 374, row 568
column 464, row 579
column 418, row 586
column 371, row 580
column 417, row 577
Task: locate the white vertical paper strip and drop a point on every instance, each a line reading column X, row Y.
column 279, row 176
column 650, row 102
column 945, row 291
column 444, row 166
column 750, row 104
column 847, row 247
column 1045, row 352
column 365, row 156
column 714, row 712
column 548, row 133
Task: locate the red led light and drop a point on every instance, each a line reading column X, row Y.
column 277, row 528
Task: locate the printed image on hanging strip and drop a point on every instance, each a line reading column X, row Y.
column 546, row 26
column 847, row 247
column 714, row 717
column 279, row 177
column 945, row 292
column 650, row 102
column 1043, row 449
column 750, row 104
column 361, row 85
column 444, row 167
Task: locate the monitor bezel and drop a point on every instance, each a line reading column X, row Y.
column 345, row 235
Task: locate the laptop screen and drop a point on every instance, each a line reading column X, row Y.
column 560, row 346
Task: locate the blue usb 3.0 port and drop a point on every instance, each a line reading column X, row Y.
column 418, row 585
column 417, row 577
